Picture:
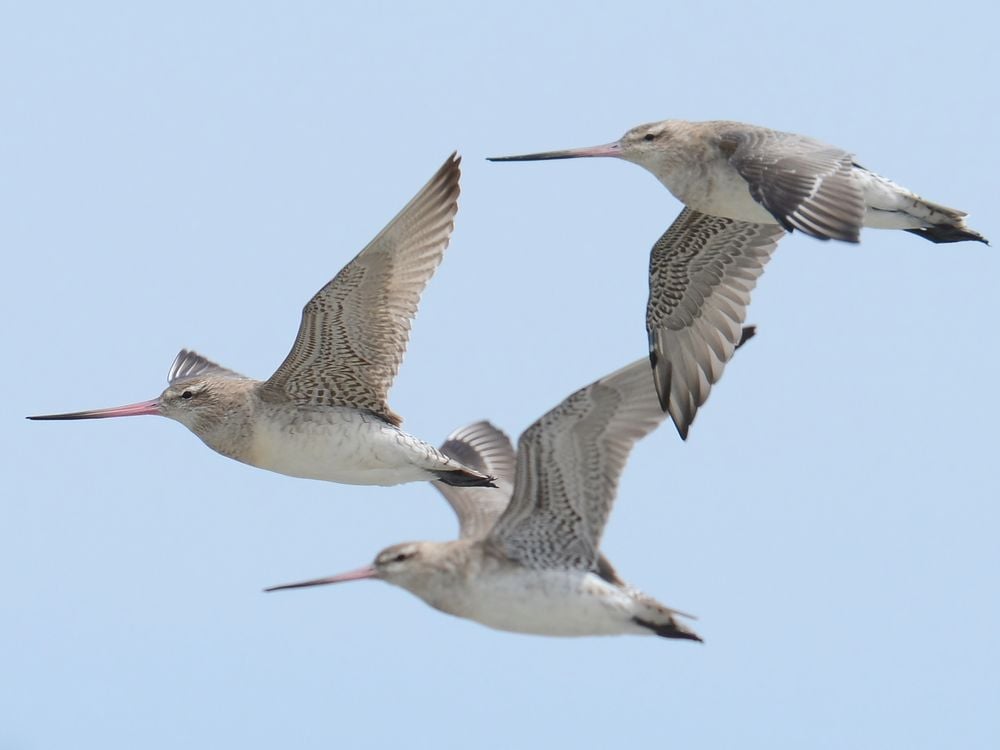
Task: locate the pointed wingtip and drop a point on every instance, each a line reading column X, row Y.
column 748, row 333
column 662, row 378
column 682, row 415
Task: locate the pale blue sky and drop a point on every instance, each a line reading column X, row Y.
column 189, row 174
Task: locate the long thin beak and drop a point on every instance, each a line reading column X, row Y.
column 132, row 410
column 608, row 149
column 352, row 575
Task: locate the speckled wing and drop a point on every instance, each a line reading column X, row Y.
column 188, row 364
column 568, row 466
column 701, row 273
column 805, row 184
column 354, row 331
column 486, row 449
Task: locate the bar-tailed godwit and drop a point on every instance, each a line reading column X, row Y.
column 528, row 558
column 323, row 414
column 743, row 187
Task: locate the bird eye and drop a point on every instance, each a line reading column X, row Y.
column 649, row 137
column 400, row 557
column 187, row 395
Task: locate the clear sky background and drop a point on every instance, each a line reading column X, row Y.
column 188, row 175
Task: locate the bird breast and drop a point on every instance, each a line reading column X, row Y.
column 715, row 187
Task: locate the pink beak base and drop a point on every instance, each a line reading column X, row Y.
column 608, row 149
column 131, row 410
column 352, row 575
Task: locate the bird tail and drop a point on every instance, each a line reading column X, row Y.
column 949, row 233
column 892, row 206
column 662, row 620
column 943, row 224
column 465, row 478
column 940, row 223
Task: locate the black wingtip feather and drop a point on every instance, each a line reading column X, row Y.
column 748, row 333
column 682, row 429
column 661, row 379
column 662, row 375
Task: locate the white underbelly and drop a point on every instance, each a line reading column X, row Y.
column 354, row 449
column 556, row 603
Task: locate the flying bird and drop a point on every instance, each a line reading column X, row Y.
column 527, row 559
column 743, row 187
column 324, row 413
column 755, row 174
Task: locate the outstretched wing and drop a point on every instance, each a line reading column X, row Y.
column 701, row 273
column 354, row 331
column 805, row 184
column 568, row 467
column 486, row 449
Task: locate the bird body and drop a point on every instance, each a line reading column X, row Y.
column 705, row 174
column 755, row 174
column 474, row 582
column 340, row 444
